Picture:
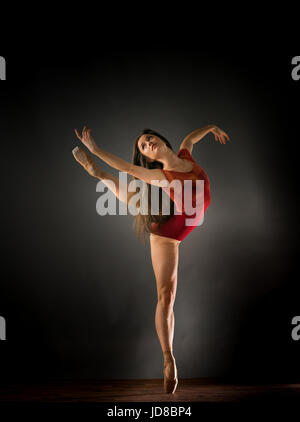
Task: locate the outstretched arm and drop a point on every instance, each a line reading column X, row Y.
column 147, row 175
column 111, row 159
column 111, row 181
column 198, row 134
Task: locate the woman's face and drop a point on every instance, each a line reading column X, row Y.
column 151, row 146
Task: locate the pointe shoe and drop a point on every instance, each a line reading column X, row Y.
column 170, row 384
column 85, row 160
column 79, row 154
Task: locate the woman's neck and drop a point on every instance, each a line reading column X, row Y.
column 170, row 160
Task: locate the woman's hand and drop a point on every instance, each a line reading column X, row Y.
column 87, row 139
column 220, row 135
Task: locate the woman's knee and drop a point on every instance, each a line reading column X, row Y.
column 166, row 297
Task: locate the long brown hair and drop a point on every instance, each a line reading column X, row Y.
column 143, row 223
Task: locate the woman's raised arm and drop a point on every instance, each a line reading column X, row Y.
column 198, row 134
column 151, row 176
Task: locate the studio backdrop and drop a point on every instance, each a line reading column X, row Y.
column 78, row 292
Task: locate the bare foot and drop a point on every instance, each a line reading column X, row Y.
column 85, row 160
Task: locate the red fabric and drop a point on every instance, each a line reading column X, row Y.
column 176, row 226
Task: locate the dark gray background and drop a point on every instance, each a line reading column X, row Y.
column 78, row 290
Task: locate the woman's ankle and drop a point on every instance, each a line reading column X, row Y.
column 168, row 355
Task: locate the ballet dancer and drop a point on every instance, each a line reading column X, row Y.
column 154, row 161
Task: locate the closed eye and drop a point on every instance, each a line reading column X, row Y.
column 148, row 139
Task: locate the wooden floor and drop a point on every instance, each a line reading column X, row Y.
column 189, row 390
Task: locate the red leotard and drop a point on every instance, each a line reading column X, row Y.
column 176, row 227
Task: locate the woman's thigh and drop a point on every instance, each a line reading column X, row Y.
column 164, row 256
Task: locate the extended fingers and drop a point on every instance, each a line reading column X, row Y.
column 86, row 131
column 224, row 137
column 219, row 137
column 77, row 134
